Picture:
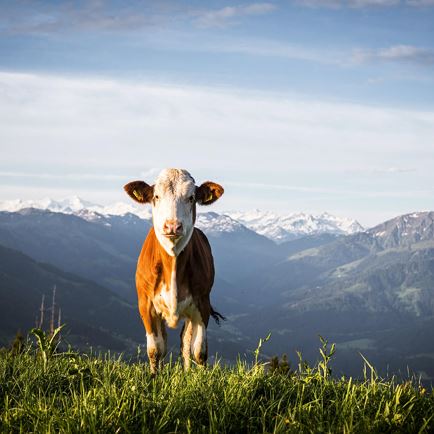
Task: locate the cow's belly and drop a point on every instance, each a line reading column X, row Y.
column 169, row 305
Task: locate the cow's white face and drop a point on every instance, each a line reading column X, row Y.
column 173, row 209
column 173, row 197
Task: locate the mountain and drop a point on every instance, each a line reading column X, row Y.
column 371, row 292
column 286, row 227
column 76, row 205
column 87, row 308
column 100, row 248
column 405, row 230
column 395, row 274
column 276, row 227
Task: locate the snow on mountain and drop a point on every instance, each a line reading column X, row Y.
column 405, row 229
column 78, row 206
column 286, row 227
column 277, row 227
column 213, row 223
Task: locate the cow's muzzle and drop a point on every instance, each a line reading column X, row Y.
column 173, row 229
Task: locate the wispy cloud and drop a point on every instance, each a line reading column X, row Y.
column 61, row 176
column 347, row 3
column 94, row 15
column 396, row 53
column 118, row 122
column 335, row 4
column 98, row 15
column 341, row 57
column 393, row 170
column 271, row 48
column 228, row 15
column 420, row 3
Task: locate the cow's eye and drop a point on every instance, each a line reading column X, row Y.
column 156, row 197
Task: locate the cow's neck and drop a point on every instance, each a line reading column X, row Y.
column 171, row 249
column 173, row 273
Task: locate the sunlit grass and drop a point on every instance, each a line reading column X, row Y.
column 79, row 393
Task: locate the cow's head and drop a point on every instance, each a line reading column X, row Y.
column 173, row 198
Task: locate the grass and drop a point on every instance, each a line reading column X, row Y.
column 78, row 393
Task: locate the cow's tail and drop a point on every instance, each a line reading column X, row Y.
column 217, row 316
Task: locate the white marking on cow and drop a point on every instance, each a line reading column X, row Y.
column 198, row 341
column 156, row 342
column 173, row 191
column 170, row 308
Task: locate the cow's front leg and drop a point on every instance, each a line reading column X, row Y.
column 199, row 343
column 156, row 343
column 156, row 338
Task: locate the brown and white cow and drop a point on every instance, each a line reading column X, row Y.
column 175, row 269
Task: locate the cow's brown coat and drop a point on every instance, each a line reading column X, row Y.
column 194, row 275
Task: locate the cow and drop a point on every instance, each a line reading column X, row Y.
column 175, row 269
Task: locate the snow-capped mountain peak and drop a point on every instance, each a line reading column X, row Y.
column 76, row 205
column 275, row 226
column 66, row 205
column 285, row 227
column 211, row 222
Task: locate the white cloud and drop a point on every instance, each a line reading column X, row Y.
column 347, row 3
column 62, row 176
column 396, row 53
column 57, row 118
column 263, row 47
column 52, row 17
column 392, row 170
column 362, row 3
column 224, row 16
column 420, row 3
column 270, row 48
column 407, row 53
column 307, row 151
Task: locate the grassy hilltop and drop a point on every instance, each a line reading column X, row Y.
column 68, row 392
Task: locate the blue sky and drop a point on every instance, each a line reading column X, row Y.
column 292, row 105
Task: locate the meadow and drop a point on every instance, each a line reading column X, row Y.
column 42, row 390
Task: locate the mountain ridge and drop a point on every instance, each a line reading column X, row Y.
column 275, row 226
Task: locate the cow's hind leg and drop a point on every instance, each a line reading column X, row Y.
column 186, row 335
column 199, row 343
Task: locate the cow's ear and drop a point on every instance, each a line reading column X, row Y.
column 208, row 193
column 140, row 191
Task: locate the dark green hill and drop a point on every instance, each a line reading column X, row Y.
column 94, row 315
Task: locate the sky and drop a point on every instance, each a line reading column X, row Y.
column 293, row 106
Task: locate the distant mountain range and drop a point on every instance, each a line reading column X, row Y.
column 370, row 291
column 281, row 228
column 277, row 227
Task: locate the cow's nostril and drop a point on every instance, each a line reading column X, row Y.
column 172, row 227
